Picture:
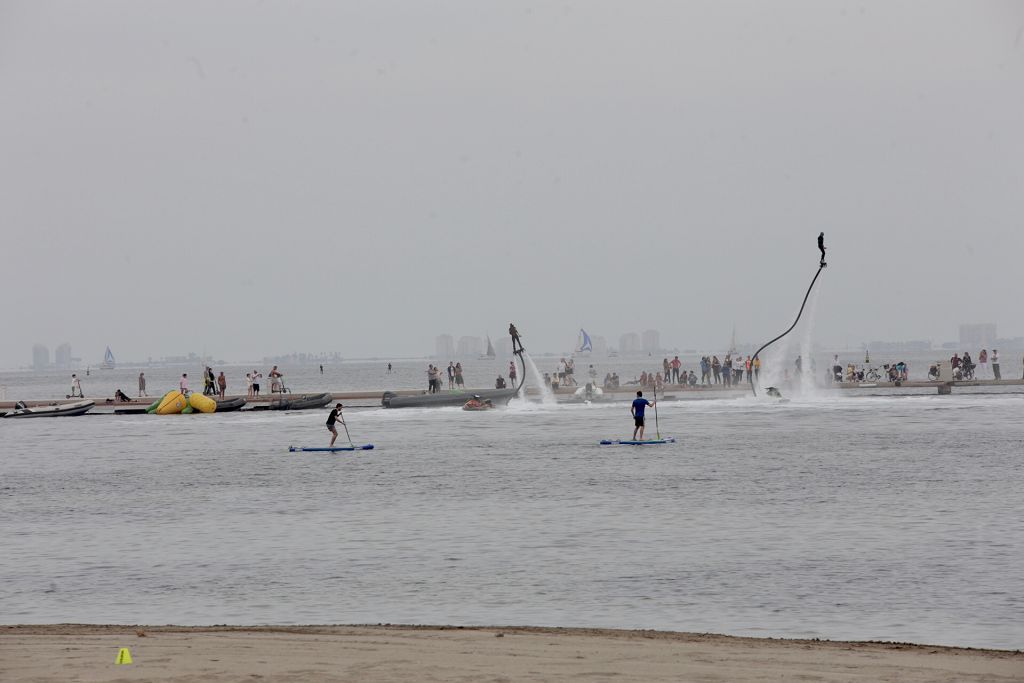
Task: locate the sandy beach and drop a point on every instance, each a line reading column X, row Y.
column 70, row 652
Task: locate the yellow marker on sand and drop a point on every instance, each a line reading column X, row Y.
column 123, row 656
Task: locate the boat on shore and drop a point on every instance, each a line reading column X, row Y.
column 51, row 410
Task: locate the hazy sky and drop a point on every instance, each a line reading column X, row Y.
column 255, row 178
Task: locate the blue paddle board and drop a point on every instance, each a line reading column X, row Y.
column 645, row 442
column 331, row 449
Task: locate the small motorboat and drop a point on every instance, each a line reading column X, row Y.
column 51, row 410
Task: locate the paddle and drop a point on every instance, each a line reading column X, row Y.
column 657, row 429
column 347, row 435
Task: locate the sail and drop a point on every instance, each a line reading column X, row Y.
column 490, row 348
column 585, row 344
column 108, row 360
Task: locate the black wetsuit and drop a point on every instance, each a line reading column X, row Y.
column 514, row 333
column 821, row 247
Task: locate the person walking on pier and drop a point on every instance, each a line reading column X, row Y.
column 995, row 364
column 222, row 384
column 142, row 385
column 637, row 410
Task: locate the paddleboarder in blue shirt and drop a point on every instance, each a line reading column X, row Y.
column 331, row 419
column 639, row 405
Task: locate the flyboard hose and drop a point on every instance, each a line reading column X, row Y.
column 801, row 312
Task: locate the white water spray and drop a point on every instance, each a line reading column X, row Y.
column 809, row 376
column 547, row 396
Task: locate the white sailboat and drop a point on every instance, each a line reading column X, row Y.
column 108, row 361
column 490, row 355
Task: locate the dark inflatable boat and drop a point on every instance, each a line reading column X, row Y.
column 453, row 398
column 228, row 405
column 301, row 402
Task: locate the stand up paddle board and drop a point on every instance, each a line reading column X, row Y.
column 645, row 442
column 330, row 449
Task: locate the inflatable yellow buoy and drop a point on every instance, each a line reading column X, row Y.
column 201, row 403
column 171, row 404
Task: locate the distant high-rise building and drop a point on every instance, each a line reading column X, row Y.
column 651, row 341
column 40, row 357
column 469, row 346
column 62, row 357
column 629, row 343
column 444, row 347
column 981, row 336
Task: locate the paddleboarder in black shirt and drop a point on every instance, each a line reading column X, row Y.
column 331, row 419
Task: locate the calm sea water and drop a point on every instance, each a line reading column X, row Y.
column 841, row 517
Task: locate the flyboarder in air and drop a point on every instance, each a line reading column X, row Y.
column 514, row 333
column 821, row 247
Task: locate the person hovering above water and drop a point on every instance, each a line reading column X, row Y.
column 335, row 416
column 637, row 410
column 821, row 248
column 514, row 333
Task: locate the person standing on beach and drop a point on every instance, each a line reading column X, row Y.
column 76, row 387
column 142, row 385
column 637, row 410
column 183, row 384
column 335, row 416
column 222, row 384
column 995, row 364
